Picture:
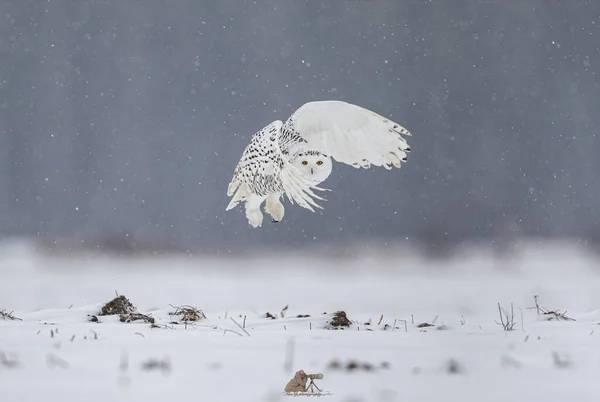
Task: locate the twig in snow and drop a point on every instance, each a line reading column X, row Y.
column 552, row 314
column 231, row 330
column 188, row 313
column 231, row 318
column 283, row 311
column 405, row 325
column 506, row 320
column 8, row 316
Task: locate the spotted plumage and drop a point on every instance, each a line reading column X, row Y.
column 292, row 158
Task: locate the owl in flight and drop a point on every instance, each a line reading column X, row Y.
column 292, row 158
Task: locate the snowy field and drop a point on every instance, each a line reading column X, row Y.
column 54, row 353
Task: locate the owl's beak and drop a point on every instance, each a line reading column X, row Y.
column 312, row 171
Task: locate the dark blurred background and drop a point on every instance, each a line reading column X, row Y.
column 121, row 121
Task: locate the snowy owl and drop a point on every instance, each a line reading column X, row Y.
column 292, row 158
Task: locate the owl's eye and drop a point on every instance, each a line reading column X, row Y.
column 319, row 163
column 305, row 163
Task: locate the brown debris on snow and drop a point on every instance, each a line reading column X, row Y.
column 551, row 314
column 335, row 364
column 163, row 365
column 188, row 313
column 339, row 320
column 122, row 307
column 119, row 305
column 354, row 365
column 135, row 317
column 454, row 367
column 8, row 316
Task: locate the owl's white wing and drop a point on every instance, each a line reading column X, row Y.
column 350, row 134
column 262, row 170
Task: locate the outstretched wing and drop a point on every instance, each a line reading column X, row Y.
column 262, row 170
column 348, row 133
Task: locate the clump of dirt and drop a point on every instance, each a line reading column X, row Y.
column 155, row 364
column 135, row 317
column 302, row 316
column 454, row 367
column 335, row 364
column 271, row 316
column 424, row 325
column 122, row 307
column 118, row 305
column 188, row 313
column 93, row 318
column 339, row 320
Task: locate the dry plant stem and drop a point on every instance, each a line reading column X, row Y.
column 552, row 314
column 231, row 318
column 405, row 324
column 507, row 322
column 557, row 315
column 8, row 316
column 188, row 313
column 230, row 330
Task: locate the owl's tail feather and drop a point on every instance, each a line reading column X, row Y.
column 239, row 194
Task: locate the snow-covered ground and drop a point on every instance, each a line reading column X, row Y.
column 56, row 354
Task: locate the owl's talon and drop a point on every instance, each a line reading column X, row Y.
column 275, row 208
column 255, row 217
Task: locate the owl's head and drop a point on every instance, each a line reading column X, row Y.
column 313, row 164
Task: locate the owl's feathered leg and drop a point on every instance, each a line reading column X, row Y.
column 255, row 217
column 274, row 207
